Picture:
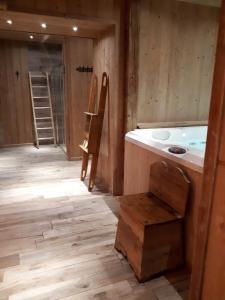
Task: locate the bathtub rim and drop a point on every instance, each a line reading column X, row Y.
column 191, row 159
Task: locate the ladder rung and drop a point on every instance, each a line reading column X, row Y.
column 46, row 138
column 42, row 107
column 90, row 114
column 39, row 86
column 37, row 76
column 84, row 148
column 44, row 118
column 38, row 105
column 40, row 97
column 45, row 128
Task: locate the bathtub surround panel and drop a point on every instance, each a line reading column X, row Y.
column 160, row 140
column 173, row 48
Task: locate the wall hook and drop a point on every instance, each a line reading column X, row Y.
column 17, row 74
column 84, row 69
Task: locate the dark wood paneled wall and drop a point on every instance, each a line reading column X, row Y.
column 15, row 105
column 77, row 52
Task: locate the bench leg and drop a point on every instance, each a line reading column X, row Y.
column 93, row 172
column 84, row 166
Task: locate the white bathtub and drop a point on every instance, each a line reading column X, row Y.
column 159, row 140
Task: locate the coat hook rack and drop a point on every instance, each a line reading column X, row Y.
column 84, row 69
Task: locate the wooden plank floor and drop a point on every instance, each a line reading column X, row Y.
column 56, row 238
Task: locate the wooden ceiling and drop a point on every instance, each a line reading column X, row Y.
column 60, row 26
column 216, row 3
column 25, row 36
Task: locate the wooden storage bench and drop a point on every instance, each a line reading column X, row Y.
column 150, row 229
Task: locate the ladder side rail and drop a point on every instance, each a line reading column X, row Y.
column 92, row 100
column 101, row 111
column 33, row 109
column 51, row 111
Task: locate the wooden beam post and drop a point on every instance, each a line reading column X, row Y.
column 132, row 33
column 216, row 118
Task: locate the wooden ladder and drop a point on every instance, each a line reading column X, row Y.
column 93, row 129
column 42, row 107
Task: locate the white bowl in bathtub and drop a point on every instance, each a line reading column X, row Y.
column 161, row 135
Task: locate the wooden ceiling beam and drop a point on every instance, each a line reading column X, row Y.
column 215, row 3
column 24, row 22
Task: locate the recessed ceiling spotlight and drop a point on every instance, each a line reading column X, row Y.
column 9, row 22
column 43, row 25
column 31, row 37
column 75, row 28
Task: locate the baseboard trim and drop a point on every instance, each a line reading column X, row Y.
column 16, row 145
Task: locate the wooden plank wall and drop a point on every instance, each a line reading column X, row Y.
column 77, row 52
column 109, row 58
column 132, row 64
column 15, row 106
column 104, row 53
column 176, row 48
